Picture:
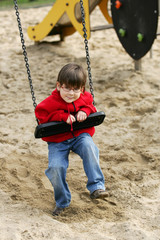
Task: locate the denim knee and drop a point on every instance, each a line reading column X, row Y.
column 89, row 146
column 55, row 172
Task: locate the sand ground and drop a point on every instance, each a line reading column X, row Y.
column 128, row 139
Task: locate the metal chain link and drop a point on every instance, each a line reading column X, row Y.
column 25, row 54
column 87, row 50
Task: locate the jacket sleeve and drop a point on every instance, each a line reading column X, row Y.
column 88, row 108
column 44, row 114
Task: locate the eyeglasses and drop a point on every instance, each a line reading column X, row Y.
column 75, row 90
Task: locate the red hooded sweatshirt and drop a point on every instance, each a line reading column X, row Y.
column 54, row 108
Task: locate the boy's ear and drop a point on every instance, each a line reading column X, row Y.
column 58, row 86
column 83, row 90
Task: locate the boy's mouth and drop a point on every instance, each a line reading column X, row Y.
column 70, row 97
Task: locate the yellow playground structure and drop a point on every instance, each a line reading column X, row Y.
column 64, row 19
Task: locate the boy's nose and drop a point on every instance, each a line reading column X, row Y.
column 71, row 90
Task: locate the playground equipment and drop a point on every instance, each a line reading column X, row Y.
column 52, row 128
column 64, row 19
column 135, row 23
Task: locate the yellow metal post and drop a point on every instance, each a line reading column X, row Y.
column 103, row 5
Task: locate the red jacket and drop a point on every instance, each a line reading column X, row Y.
column 54, row 108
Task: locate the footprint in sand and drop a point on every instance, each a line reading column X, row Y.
column 22, row 172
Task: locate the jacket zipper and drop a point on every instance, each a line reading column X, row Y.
column 74, row 107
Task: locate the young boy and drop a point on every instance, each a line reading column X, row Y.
column 69, row 102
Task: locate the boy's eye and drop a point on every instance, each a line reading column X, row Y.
column 76, row 90
column 67, row 89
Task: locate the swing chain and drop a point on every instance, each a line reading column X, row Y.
column 87, row 49
column 26, row 58
column 25, row 54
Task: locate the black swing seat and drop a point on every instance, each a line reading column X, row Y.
column 53, row 128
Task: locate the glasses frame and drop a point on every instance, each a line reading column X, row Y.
column 65, row 89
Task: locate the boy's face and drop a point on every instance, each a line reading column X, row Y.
column 69, row 95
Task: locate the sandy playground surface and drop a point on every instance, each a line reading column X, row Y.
column 128, row 140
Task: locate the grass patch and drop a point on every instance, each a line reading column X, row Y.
column 6, row 4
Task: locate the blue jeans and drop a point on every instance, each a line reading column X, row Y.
column 84, row 146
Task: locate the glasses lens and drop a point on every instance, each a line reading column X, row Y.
column 66, row 89
column 76, row 90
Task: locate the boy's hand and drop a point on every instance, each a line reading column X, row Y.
column 70, row 119
column 81, row 116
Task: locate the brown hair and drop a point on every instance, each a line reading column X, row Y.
column 72, row 75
